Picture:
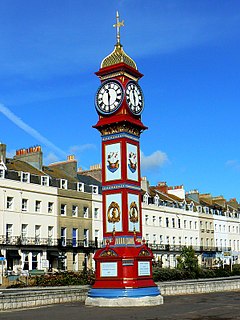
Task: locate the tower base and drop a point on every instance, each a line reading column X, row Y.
column 127, row 297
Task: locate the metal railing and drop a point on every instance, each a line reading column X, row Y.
column 49, row 242
column 178, row 248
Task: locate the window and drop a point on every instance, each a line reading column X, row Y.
column 195, row 225
column 80, row 186
column 179, row 223
column 74, row 237
column 190, row 224
column 34, row 260
column 45, row 181
column 25, row 177
column 24, row 231
column 63, row 236
column 37, row 206
column 160, row 221
column 146, row 219
column 154, row 238
column 167, row 222
column 173, row 222
column 96, row 213
column 156, row 200
column 96, row 235
column 86, row 237
column 185, row 224
column 154, row 220
column 10, row 203
column 180, row 240
column 74, row 211
column 145, row 198
column 85, row 212
column 94, row 189
column 50, row 207
column 161, row 239
column 24, row 204
column 2, row 173
column 9, row 231
column 167, row 239
column 50, row 235
column 63, row 209
column 174, row 240
column 37, row 234
column 147, row 237
column 63, row 184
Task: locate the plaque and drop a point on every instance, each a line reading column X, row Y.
column 108, row 269
column 143, row 268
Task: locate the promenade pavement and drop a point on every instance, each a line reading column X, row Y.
column 213, row 306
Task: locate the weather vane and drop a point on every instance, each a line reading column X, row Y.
column 117, row 26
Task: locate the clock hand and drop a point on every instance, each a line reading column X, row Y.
column 109, row 97
column 134, row 97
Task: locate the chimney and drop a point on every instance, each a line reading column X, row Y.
column 32, row 155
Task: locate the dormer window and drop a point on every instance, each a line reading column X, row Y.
column 63, row 184
column 2, row 173
column 95, row 189
column 3, row 169
column 156, row 200
column 45, row 181
column 25, row 177
column 145, row 198
column 80, row 186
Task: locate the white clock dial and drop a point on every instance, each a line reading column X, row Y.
column 134, row 97
column 109, row 97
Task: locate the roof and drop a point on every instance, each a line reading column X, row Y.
column 118, row 56
column 18, row 165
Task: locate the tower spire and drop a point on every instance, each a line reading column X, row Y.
column 118, row 25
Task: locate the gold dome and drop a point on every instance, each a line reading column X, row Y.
column 117, row 56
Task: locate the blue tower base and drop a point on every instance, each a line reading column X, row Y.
column 126, row 297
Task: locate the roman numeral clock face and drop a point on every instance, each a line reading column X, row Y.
column 134, row 97
column 109, row 97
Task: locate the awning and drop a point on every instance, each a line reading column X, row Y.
column 13, row 254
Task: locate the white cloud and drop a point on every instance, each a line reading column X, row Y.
column 235, row 164
column 32, row 132
column 50, row 158
column 82, row 148
column 154, row 161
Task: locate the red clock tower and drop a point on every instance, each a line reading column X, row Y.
column 124, row 264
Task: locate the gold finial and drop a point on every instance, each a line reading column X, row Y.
column 117, row 26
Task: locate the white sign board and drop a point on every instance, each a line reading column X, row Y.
column 143, row 268
column 45, row 263
column 108, row 269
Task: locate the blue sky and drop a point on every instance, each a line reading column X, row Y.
column 189, row 53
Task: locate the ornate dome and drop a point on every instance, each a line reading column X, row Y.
column 117, row 56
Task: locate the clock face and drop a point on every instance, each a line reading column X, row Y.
column 134, row 97
column 109, row 97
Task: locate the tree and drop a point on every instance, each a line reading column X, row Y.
column 188, row 260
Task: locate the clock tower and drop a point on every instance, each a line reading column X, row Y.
column 124, row 264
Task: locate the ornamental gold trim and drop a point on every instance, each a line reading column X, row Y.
column 113, row 213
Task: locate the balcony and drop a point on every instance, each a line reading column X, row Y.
column 178, row 248
column 48, row 242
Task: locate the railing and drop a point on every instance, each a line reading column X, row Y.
column 178, row 248
column 49, row 242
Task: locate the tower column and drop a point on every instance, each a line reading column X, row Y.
column 124, row 263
